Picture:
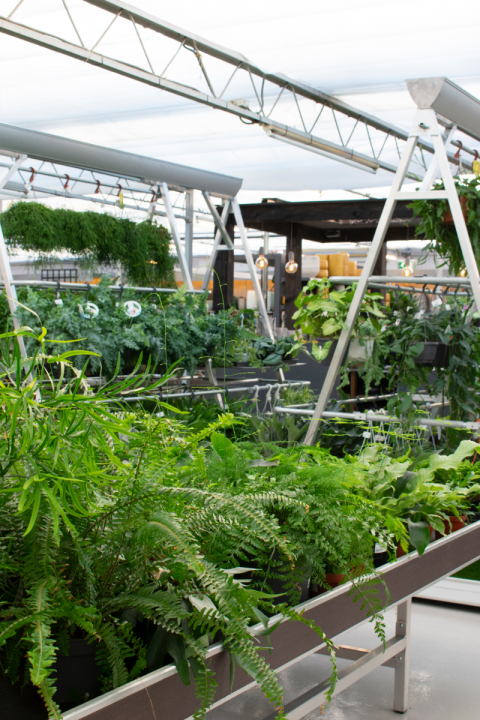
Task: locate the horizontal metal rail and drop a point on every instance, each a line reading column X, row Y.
column 425, row 291
column 191, row 394
column 411, row 280
column 335, row 611
column 83, row 286
column 378, row 417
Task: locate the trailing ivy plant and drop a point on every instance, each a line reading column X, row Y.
column 141, row 249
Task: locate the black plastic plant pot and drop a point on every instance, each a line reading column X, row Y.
column 78, row 675
column 434, row 354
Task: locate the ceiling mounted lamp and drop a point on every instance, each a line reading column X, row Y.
column 261, row 262
column 291, row 266
column 330, row 151
column 408, row 271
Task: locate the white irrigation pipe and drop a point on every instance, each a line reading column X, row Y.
column 378, row 417
column 199, row 393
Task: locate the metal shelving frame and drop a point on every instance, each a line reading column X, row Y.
column 425, row 124
column 164, row 693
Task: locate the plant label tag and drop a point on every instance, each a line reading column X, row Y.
column 89, row 311
column 58, row 301
column 367, row 434
column 397, row 322
column 419, row 315
column 436, row 302
column 447, row 307
column 380, row 548
column 448, row 329
column 132, row 308
column 92, row 309
column 379, row 438
column 396, row 313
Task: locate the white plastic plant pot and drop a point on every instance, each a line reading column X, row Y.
column 132, row 308
column 358, row 354
column 252, row 303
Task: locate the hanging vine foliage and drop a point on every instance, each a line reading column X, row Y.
column 142, row 249
column 443, row 236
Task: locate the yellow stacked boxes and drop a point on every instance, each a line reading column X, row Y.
column 338, row 264
column 323, row 266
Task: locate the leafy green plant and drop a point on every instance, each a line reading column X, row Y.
column 410, row 493
column 443, row 237
column 142, row 249
column 322, row 312
column 167, row 330
column 406, row 331
column 97, row 530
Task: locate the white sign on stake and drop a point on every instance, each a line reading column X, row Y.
column 132, row 308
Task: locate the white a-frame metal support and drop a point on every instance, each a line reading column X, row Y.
column 425, row 124
column 5, row 269
column 221, row 234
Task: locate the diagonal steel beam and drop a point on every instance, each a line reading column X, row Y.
column 191, row 41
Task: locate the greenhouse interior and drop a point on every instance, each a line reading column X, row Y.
column 239, row 360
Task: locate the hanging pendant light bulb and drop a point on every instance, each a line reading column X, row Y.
column 261, row 262
column 291, row 266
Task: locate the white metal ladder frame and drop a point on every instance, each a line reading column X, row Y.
column 425, row 124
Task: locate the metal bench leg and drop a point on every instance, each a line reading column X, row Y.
column 402, row 660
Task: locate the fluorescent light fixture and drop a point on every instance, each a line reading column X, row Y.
column 391, row 257
column 325, row 150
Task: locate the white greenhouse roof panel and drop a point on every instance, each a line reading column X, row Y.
column 370, row 48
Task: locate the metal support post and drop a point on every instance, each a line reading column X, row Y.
column 367, row 271
column 402, row 660
column 10, row 290
column 216, row 244
column 187, row 278
column 212, row 378
column 432, row 172
column 219, row 222
column 189, row 200
column 264, row 275
column 279, row 288
column 153, row 203
column 251, row 266
column 5, row 268
column 457, row 214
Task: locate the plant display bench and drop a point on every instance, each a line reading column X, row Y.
column 162, row 694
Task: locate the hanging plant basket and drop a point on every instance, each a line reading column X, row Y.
column 435, row 354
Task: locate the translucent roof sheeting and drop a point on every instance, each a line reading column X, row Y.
column 359, row 50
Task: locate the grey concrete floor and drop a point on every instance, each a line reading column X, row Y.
column 444, row 673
